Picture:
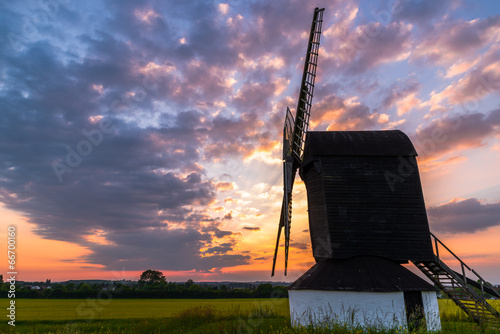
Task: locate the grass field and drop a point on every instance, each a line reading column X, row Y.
column 183, row 316
column 92, row 309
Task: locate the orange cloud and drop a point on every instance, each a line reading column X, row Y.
column 98, row 237
column 407, row 103
column 432, row 164
column 225, row 186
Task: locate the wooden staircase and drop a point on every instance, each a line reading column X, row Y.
column 469, row 294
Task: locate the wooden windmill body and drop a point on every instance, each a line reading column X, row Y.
column 367, row 217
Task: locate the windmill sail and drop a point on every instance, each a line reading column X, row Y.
column 295, row 130
column 307, row 86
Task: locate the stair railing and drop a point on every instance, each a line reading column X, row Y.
column 482, row 284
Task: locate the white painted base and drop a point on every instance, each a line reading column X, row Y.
column 431, row 311
column 366, row 309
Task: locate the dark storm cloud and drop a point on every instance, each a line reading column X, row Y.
column 466, row 216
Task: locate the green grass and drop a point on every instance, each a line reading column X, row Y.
column 449, row 311
column 124, row 316
column 93, row 309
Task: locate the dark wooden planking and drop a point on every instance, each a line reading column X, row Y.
column 357, row 143
column 362, row 273
column 365, row 196
column 317, row 210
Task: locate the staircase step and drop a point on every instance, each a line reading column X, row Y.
column 459, row 292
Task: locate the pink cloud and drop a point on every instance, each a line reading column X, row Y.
column 359, row 49
column 483, row 79
column 451, row 41
column 407, row 103
column 337, row 114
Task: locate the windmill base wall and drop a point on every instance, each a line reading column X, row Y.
column 354, row 308
column 431, row 310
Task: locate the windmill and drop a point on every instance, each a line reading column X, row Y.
column 367, row 217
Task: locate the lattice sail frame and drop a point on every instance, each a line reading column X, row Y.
column 303, row 111
column 288, row 133
column 294, row 131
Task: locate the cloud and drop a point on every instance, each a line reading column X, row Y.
column 300, row 245
column 453, row 133
column 354, row 50
column 214, row 227
column 399, row 91
column 461, row 40
column 481, row 80
column 168, row 249
column 337, row 114
column 225, row 186
column 374, row 44
column 142, row 180
column 407, row 103
column 220, row 249
column 251, row 228
column 422, row 12
column 464, row 216
column 403, row 96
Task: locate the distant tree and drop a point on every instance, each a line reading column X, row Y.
column 188, row 283
column 264, row 290
column 152, row 276
column 1, row 278
column 59, row 291
column 82, row 287
column 47, row 282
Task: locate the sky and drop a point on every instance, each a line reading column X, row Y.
column 143, row 135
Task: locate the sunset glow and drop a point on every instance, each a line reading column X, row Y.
column 148, row 135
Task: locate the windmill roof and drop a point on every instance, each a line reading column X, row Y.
column 358, row 143
column 361, row 273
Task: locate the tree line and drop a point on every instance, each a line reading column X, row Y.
column 152, row 284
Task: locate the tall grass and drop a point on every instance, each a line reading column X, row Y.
column 209, row 319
